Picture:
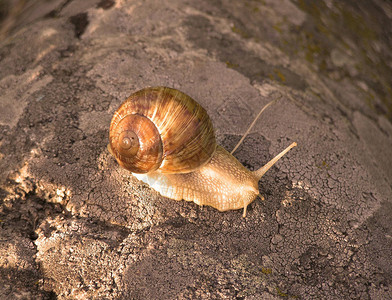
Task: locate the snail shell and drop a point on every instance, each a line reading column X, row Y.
column 161, row 128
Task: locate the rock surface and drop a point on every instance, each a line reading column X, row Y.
column 76, row 225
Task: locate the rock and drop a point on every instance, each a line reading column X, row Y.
column 76, row 225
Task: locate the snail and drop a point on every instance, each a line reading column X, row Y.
column 166, row 139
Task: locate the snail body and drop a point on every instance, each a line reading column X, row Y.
column 166, row 139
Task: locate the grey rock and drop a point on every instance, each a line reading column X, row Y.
column 74, row 225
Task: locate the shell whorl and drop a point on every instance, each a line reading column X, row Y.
column 180, row 138
column 136, row 143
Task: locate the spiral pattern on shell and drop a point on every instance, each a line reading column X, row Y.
column 161, row 128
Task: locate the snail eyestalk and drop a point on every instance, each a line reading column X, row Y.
column 253, row 124
column 260, row 172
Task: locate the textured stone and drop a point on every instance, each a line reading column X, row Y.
column 76, row 225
